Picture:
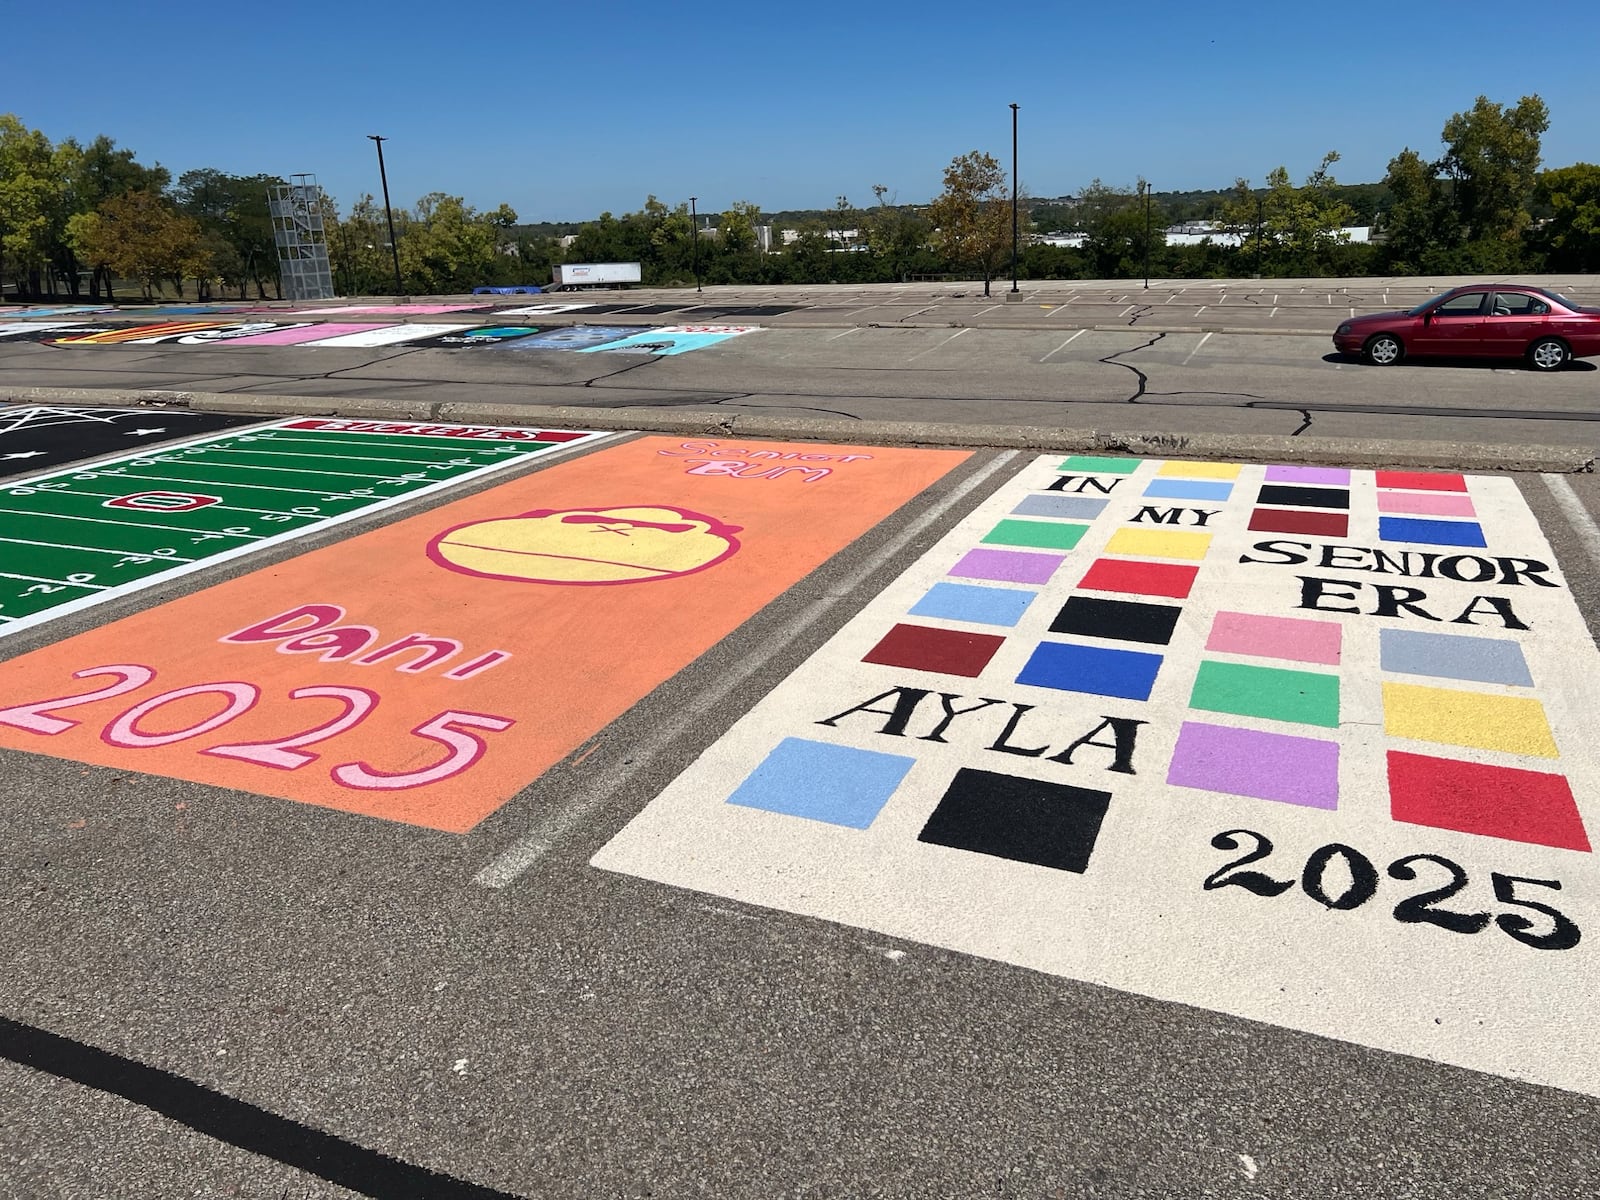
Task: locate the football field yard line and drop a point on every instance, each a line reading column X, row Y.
column 281, row 470
column 262, row 487
column 130, row 524
column 93, row 587
column 408, row 462
column 100, row 550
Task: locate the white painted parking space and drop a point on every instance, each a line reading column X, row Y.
column 1302, row 745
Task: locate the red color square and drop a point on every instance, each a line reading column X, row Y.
column 1498, row 802
column 948, row 651
column 1139, row 578
column 1421, row 481
column 1284, row 520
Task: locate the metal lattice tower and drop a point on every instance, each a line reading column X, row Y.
column 302, row 244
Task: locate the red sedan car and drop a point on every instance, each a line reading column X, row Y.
column 1481, row 320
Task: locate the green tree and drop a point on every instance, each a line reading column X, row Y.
column 1570, row 239
column 1419, row 223
column 1290, row 230
column 233, row 213
column 897, row 237
column 972, row 216
column 29, row 187
column 1492, row 159
column 447, row 246
column 142, row 236
column 1118, row 234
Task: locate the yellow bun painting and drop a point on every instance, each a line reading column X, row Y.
column 587, row 545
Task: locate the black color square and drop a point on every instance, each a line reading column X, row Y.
column 1120, row 620
column 1304, row 497
column 1024, row 820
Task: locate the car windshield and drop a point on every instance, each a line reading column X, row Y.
column 1427, row 304
column 1560, row 299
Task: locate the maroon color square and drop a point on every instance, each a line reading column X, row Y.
column 948, row 651
column 1283, row 520
column 1499, row 802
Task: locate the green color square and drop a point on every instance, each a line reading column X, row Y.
column 1041, row 535
column 1279, row 695
column 1092, row 463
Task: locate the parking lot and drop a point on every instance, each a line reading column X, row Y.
column 407, row 803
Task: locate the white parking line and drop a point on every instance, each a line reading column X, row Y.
column 1066, row 343
column 1204, row 339
column 836, row 336
column 1126, row 311
column 1576, row 514
column 932, row 348
column 507, row 866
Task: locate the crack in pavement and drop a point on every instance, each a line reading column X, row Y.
column 1305, row 424
column 1144, row 380
column 1140, row 310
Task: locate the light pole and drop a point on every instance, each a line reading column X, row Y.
column 1014, row 198
column 694, row 222
column 1145, row 185
column 394, row 247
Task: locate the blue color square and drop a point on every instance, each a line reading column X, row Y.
column 1430, row 533
column 1072, row 507
column 1454, row 656
column 1188, row 489
column 821, row 782
column 1128, row 674
column 980, row 605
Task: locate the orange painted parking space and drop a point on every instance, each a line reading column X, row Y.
column 428, row 671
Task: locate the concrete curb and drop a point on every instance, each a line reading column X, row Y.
column 1348, row 452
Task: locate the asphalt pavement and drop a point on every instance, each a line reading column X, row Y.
column 654, row 950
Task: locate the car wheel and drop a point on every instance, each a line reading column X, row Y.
column 1548, row 354
column 1383, row 350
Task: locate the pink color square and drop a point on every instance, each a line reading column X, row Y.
column 1276, row 637
column 400, row 310
column 293, row 337
column 1433, row 504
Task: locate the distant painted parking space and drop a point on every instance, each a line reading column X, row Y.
column 1305, row 745
column 77, row 538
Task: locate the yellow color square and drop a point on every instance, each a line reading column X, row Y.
column 1158, row 543
column 1514, row 724
column 1200, row 470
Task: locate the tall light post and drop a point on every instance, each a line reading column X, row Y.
column 694, row 222
column 394, row 247
column 1144, row 185
column 1014, row 198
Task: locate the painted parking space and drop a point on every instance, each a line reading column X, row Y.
column 39, row 436
column 441, row 664
column 636, row 339
column 1303, row 745
column 81, row 536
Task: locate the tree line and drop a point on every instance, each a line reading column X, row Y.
column 79, row 219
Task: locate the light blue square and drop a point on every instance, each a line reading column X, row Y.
column 818, row 781
column 1071, row 507
column 1453, row 656
column 1188, row 489
column 980, row 605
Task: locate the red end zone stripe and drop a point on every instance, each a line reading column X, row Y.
column 483, row 432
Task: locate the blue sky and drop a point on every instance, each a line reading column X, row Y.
column 565, row 110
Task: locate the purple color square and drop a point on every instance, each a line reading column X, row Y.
column 1338, row 476
column 1008, row 566
column 1267, row 766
